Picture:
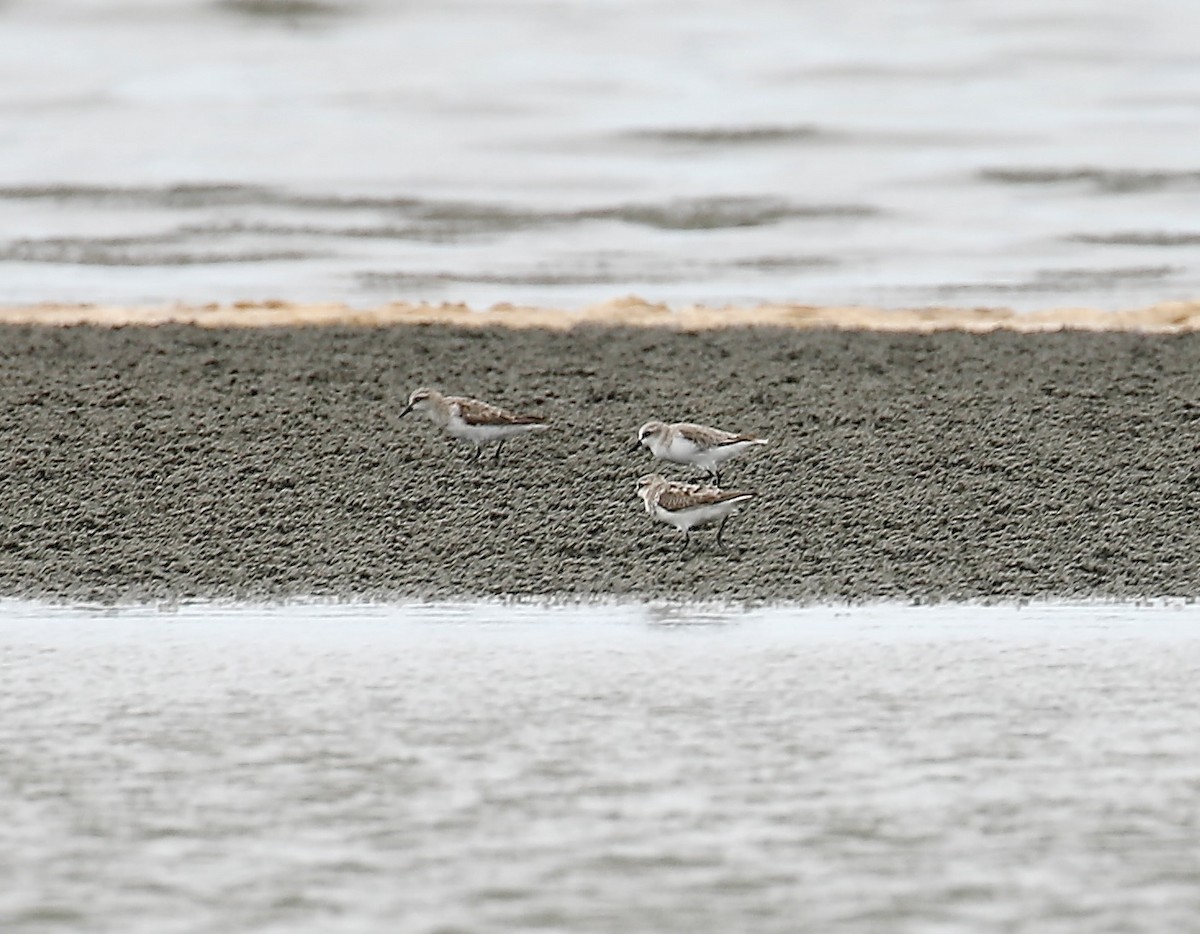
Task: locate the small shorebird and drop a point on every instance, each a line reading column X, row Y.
column 471, row 420
column 687, row 505
column 696, row 445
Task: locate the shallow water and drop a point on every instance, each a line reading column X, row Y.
column 517, row 768
column 1021, row 154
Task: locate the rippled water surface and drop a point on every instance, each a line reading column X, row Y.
column 1025, row 153
column 490, row 768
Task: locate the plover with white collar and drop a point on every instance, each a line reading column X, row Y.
column 695, row 445
column 688, row 505
column 471, row 420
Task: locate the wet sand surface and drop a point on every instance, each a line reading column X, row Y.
column 180, row 462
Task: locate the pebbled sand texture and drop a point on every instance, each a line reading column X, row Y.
column 171, row 462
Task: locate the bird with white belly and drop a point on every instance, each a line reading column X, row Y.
column 478, row 423
column 688, row 505
column 695, row 445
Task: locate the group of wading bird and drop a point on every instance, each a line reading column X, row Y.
column 683, row 505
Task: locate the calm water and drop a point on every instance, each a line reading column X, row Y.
column 1025, row 153
column 466, row 768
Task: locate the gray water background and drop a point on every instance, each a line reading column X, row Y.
column 599, row 768
column 1024, row 154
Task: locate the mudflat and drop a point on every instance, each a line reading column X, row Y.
column 174, row 462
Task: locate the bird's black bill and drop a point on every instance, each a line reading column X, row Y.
column 407, row 409
column 633, row 448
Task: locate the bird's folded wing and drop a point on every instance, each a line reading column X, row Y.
column 686, row 496
column 474, row 412
column 705, row 437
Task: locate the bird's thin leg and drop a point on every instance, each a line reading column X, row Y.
column 496, row 456
column 716, row 477
column 720, row 529
column 687, row 535
column 477, row 454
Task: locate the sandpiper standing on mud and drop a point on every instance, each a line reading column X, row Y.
column 695, row 445
column 687, row 505
column 471, row 420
